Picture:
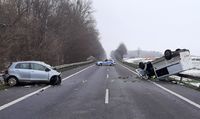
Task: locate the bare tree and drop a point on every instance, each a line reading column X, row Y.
column 54, row 31
column 120, row 51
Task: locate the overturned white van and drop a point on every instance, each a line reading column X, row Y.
column 173, row 62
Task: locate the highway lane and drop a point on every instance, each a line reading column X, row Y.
column 105, row 93
column 12, row 93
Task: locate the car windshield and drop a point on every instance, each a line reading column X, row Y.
column 100, row 59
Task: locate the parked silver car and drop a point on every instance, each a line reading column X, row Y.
column 31, row 71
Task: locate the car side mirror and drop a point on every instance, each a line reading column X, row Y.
column 47, row 69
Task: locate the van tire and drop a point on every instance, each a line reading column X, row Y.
column 178, row 49
column 168, row 54
column 141, row 65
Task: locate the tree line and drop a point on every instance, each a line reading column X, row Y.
column 54, row 31
column 120, row 52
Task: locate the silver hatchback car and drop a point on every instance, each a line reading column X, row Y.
column 31, row 71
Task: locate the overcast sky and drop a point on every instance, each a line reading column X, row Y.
column 149, row 24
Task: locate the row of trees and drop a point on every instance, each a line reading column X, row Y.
column 54, row 31
column 120, row 52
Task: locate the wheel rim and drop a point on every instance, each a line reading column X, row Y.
column 168, row 54
column 12, row 81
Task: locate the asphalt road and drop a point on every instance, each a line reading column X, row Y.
column 101, row 93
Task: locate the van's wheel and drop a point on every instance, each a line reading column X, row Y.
column 178, row 49
column 12, row 81
column 141, row 65
column 168, row 54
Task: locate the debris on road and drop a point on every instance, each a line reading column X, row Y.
column 84, row 81
column 27, row 86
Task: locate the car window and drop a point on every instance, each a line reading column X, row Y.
column 23, row 66
column 37, row 67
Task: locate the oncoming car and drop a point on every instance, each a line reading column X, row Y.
column 31, row 71
column 105, row 63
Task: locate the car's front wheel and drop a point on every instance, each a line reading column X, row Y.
column 12, row 81
column 55, row 80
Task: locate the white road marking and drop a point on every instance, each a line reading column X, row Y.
column 128, row 69
column 22, row 98
column 77, row 73
column 177, row 95
column 35, row 92
column 171, row 92
column 107, row 97
column 107, row 76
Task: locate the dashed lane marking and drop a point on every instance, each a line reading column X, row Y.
column 107, row 76
column 107, row 96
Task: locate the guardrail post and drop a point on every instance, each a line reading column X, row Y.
column 181, row 79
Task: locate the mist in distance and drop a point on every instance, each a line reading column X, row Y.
column 153, row 25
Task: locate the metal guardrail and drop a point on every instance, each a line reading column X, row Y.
column 189, row 76
column 72, row 65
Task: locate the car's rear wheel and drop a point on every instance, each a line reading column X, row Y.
column 12, row 81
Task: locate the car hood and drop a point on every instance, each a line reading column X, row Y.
column 55, row 72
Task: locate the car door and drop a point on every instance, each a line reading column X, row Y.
column 22, row 70
column 38, row 72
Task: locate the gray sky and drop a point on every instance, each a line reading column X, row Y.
column 149, row 24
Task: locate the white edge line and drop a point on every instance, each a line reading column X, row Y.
column 128, row 69
column 169, row 91
column 77, row 73
column 37, row 91
column 22, row 98
column 107, row 96
column 177, row 95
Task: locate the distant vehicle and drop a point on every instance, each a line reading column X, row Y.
column 31, row 71
column 99, row 63
column 105, row 63
column 173, row 62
